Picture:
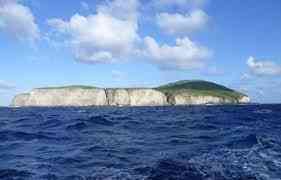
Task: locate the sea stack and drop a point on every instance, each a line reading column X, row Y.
column 178, row 93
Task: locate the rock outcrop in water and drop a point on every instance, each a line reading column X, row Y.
column 179, row 93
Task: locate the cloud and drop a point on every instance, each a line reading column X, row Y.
column 85, row 6
column 105, row 37
column 111, row 35
column 6, row 86
column 118, row 75
column 182, row 24
column 246, row 77
column 122, row 10
column 184, row 55
column 263, row 68
column 18, row 21
column 213, row 71
column 180, row 3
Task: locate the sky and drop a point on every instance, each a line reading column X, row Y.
column 140, row 43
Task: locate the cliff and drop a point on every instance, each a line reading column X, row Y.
column 135, row 97
column 179, row 93
column 62, row 97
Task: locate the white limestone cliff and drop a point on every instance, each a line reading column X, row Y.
column 62, row 97
column 187, row 99
column 118, row 97
column 244, row 100
column 147, row 97
column 114, row 97
column 135, row 97
column 21, row 100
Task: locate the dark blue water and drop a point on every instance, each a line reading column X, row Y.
column 161, row 143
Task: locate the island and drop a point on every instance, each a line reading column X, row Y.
column 185, row 92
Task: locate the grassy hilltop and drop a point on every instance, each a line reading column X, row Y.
column 70, row 87
column 200, row 88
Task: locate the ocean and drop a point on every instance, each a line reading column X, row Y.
column 240, row 142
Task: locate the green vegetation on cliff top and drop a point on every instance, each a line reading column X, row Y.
column 70, row 87
column 200, row 88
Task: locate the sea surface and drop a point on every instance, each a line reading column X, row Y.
column 153, row 143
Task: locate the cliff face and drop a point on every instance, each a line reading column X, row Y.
column 147, row 97
column 21, row 100
column 135, row 97
column 118, row 97
column 180, row 93
column 62, row 97
column 244, row 100
column 114, row 97
column 187, row 99
column 91, row 97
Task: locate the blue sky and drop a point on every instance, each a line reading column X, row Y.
column 110, row 43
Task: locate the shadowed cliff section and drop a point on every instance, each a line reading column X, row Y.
column 177, row 93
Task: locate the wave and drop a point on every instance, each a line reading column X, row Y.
column 101, row 120
column 145, row 143
column 11, row 174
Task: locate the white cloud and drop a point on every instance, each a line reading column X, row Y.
column 184, row 55
column 245, row 77
column 104, row 37
column 124, row 10
column 182, row 24
column 6, row 86
column 18, row 21
column 85, row 6
column 118, row 75
column 59, row 25
column 111, row 35
column 263, row 68
column 180, row 3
